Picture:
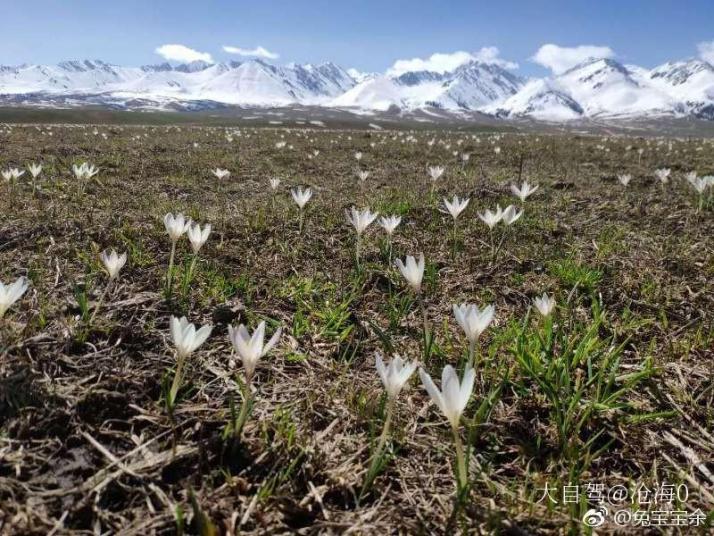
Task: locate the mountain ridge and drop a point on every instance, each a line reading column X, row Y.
column 595, row 88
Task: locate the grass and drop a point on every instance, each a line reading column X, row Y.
column 616, row 388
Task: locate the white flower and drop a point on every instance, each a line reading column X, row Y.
column 545, row 304
column 389, row 223
column 435, row 172
column 510, row 215
column 198, row 237
column 473, row 320
column 412, row 271
column 176, row 226
column 358, row 156
column 12, row 174
column 186, row 338
column 624, row 178
column 395, row 375
column 456, row 206
column 301, row 197
column 35, row 169
column 9, row 294
column 113, row 263
column 465, row 157
column 280, row 144
column 362, row 175
column 524, row 191
column 274, row 183
column 250, row 348
column 699, row 184
column 491, row 218
column 84, row 171
column 360, row 220
column 454, row 395
column 221, row 173
column 663, row 174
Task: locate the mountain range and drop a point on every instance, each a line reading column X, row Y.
column 596, row 88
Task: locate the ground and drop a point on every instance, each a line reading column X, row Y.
column 615, row 388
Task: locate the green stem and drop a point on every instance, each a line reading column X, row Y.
column 472, row 353
column 357, row 251
column 178, row 377
column 192, row 267
column 169, row 274
column 462, row 474
column 100, row 302
column 243, row 415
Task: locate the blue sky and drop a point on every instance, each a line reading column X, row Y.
column 369, row 35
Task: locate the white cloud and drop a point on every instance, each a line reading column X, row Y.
column 257, row 51
column 183, row 54
column 706, row 51
column 491, row 55
column 445, row 62
column 560, row 59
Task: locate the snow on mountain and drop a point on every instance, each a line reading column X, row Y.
column 539, row 99
column 252, row 82
column 604, row 87
column 469, row 86
column 596, row 88
column 690, row 82
column 377, row 93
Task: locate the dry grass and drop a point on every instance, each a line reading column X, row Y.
column 85, row 444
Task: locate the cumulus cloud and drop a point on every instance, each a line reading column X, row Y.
column 492, row 55
column 560, row 59
column 259, row 51
column 706, row 51
column 445, row 62
column 183, row 54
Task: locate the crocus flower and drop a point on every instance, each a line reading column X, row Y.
column 113, row 263
column 435, row 172
column 9, row 294
column 663, row 174
column 221, row 173
column 186, row 340
column 389, row 223
column 362, row 175
column 473, row 320
column 35, row 170
column 454, row 395
column 198, row 236
column 394, row 375
column 176, row 226
column 456, row 206
column 274, row 183
column 360, row 219
column 358, row 156
column 250, row 348
column 301, row 197
column 624, row 178
column 510, row 215
column 186, row 337
column 524, row 191
column 412, row 270
column 491, row 218
column 545, row 304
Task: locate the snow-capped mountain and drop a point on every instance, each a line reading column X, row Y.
column 596, row 88
column 252, row 82
column 469, row 87
column 604, row 88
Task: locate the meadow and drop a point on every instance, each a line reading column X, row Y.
column 116, row 417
